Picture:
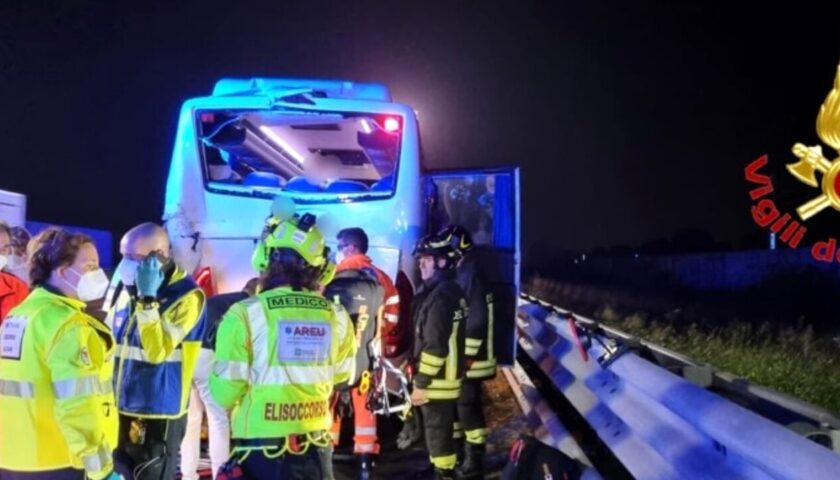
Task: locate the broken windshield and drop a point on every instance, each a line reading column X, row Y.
column 306, row 153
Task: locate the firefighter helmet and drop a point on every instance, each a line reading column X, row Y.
column 438, row 247
column 459, row 237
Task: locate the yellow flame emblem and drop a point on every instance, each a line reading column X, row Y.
column 812, row 160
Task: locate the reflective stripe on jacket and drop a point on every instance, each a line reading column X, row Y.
column 158, row 348
column 278, row 356
column 56, row 400
column 481, row 360
column 439, row 314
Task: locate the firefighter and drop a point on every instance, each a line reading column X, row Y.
column 279, row 355
column 480, row 360
column 438, row 313
column 157, row 317
column 57, row 415
column 357, row 289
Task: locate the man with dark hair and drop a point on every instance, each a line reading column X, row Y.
column 12, row 289
column 355, row 237
column 352, row 255
column 359, row 292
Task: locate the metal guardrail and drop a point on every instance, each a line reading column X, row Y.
column 659, row 425
column 543, row 420
column 721, row 381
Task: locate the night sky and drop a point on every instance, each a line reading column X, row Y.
column 629, row 121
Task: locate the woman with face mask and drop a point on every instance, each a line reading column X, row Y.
column 17, row 263
column 57, row 414
column 13, row 289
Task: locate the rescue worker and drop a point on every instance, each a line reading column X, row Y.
column 12, row 288
column 279, row 355
column 201, row 401
column 157, row 317
column 352, row 254
column 480, row 359
column 18, row 258
column 438, row 313
column 356, row 288
column 57, row 415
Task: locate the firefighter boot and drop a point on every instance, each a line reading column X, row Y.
column 473, row 465
column 459, row 452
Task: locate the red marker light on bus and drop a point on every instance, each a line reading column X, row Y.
column 391, row 124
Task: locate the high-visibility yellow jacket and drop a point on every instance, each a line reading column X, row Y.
column 158, row 348
column 278, row 356
column 56, row 397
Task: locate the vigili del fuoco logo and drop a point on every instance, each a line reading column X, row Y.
column 811, row 162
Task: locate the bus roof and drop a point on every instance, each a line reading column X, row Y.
column 342, row 89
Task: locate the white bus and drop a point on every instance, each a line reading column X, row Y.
column 12, row 208
column 342, row 151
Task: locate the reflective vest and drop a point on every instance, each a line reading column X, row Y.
column 158, row 348
column 481, row 359
column 479, row 347
column 56, row 401
column 278, row 356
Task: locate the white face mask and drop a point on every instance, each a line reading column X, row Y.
column 128, row 271
column 3, row 261
column 15, row 262
column 92, row 285
column 17, row 266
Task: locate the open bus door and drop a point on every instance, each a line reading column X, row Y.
column 486, row 203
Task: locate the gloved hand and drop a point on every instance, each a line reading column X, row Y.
column 149, row 277
column 412, row 431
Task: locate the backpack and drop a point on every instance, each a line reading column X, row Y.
column 530, row 459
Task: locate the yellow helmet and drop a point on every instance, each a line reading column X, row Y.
column 298, row 233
